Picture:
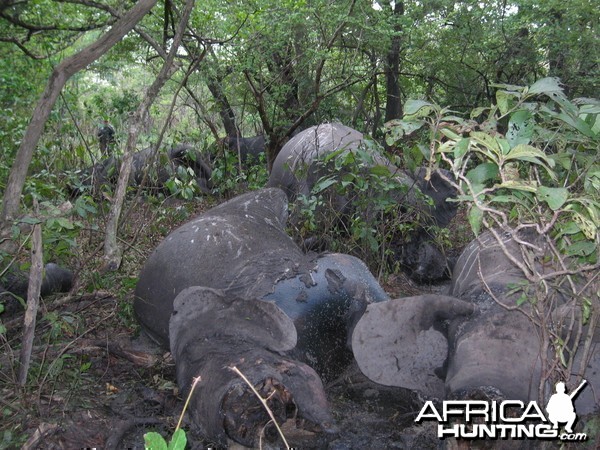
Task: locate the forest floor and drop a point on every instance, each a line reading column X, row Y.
column 97, row 382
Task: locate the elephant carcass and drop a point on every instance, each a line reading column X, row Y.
column 150, row 169
column 211, row 334
column 299, row 166
column 496, row 349
column 241, row 249
column 248, row 149
column 15, row 284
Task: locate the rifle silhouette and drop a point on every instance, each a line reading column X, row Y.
column 576, row 391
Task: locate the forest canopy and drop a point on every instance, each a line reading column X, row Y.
column 275, row 66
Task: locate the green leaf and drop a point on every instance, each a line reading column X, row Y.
column 178, row 441
column 568, row 228
column 399, row 128
column 489, row 142
column 475, row 219
column 482, row 173
column 450, row 134
column 323, row 184
column 519, row 185
column 578, row 124
column 380, row 171
column 30, row 220
column 581, row 248
column 545, row 86
column 418, row 108
column 461, row 148
column 529, row 153
column 154, row 441
column 502, row 101
column 478, row 111
column 555, row 197
column 520, row 128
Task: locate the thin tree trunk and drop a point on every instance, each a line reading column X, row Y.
column 393, row 106
column 112, row 251
column 60, row 75
column 33, row 299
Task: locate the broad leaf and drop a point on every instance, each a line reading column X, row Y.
column 154, row 441
column 520, row 128
column 555, row 197
column 178, row 441
column 418, row 108
column 482, row 173
column 475, row 219
column 545, row 86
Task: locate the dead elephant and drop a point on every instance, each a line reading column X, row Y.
column 258, row 303
column 149, row 169
column 299, row 166
column 14, row 284
column 467, row 345
column 248, row 149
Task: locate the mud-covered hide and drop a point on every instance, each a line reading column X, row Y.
column 210, row 334
column 150, row 169
column 241, row 248
column 499, row 346
column 494, row 350
column 238, row 246
column 15, row 284
column 403, row 342
column 294, row 169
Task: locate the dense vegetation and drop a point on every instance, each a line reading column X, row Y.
column 268, row 67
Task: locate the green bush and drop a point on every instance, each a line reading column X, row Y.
column 530, row 163
column 357, row 207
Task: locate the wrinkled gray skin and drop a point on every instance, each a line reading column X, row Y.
column 295, row 171
column 15, row 283
column 491, row 351
column 252, row 336
column 159, row 169
column 240, row 247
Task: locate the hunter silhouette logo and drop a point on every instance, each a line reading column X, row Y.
column 508, row 419
column 560, row 406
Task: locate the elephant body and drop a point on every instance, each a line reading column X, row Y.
column 471, row 343
column 151, row 169
column 299, row 166
column 240, row 249
column 249, row 149
column 15, row 283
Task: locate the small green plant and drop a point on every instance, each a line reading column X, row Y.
column 183, row 183
column 154, row 441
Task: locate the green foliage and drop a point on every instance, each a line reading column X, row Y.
column 154, row 441
column 229, row 175
column 183, row 183
column 531, row 160
column 530, row 164
column 357, row 207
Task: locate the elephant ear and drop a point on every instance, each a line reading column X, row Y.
column 397, row 343
column 203, row 313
